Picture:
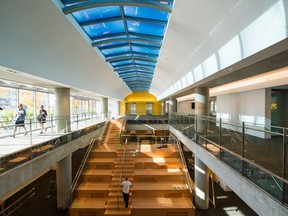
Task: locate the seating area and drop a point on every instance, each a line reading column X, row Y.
column 158, row 182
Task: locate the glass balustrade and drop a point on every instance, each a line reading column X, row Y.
column 256, row 151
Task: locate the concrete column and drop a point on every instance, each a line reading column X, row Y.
column 62, row 110
column 105, row 107
column 64, row 181
column 119, row 107
column 201, row 108
column 163, row 108
column 172, row 106
column 201, row 197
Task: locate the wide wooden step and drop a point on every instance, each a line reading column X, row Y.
column 162, row 206
column 114, row 194
column 175, row 189
column 127, row 154
column 120, row 212
column 88, row 206
column 101, row 163
column 116, row 179
column 114, row 205
column 93, row 190
column 157, row 163
column 158, row 175
column 125, row 171
column 120, row 162
column 103, row 154
column 92, row 175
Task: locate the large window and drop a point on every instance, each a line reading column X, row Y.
column 32, row 101
column 27, row 99
column 8, row 102
column 51, row 109
column 41, row 99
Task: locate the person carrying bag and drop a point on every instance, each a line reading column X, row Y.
column 42, row 118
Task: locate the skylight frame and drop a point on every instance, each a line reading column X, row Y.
column 130, row 49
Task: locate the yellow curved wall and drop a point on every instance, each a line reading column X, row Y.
column 140, row 99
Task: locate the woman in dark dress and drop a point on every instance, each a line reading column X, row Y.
column 42, row 118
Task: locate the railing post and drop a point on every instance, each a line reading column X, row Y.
column 30, row 127
column 77, row 119
column 242, row 148
column 51, row 124
column 196, row 125
column 284, row 163
column 206, row 126
column 220, row 136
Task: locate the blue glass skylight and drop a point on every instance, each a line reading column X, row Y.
column 115, row 50
column 129, row 34
column 148, row 50
column 96, row 13
column 147, row 13
column 145, row 28
column 106, row 28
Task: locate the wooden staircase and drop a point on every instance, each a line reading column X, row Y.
column 124, row 167
column 158, row 185
column 92, row 194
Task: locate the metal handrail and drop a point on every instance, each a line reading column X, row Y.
column 81, row 167
column 18, row 203
column 83, row 162
column 122, row 168
column 184, row 164
column 250, row 163
column 33, row 123
column 241, row 158
column 244, row 159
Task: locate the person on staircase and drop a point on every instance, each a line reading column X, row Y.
column 126, row 189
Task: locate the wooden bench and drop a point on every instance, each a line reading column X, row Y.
column 160, row 189
column 88, row 206
column 101, row 163
column 155, row 175
column 93, row 190
column 159, row 162
column 92, row 175
column 162, row 206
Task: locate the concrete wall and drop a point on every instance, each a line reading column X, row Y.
column 185, row 107
column 18, row 177
column 259, row 201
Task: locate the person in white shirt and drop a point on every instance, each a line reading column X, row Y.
column 126, row 188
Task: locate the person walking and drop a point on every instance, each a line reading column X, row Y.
column 20, row 119
column 42, row 118
column 126, row 188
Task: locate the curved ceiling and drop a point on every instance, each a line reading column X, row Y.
column 38, row 39
column 129, row 34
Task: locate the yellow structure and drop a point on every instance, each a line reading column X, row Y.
column 140, row 103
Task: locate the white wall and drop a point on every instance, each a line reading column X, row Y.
column 252, row 107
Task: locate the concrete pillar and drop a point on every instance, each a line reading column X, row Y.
column 62, row 110
column 119, row 108
column 172, row 106
column 105, row 107
column 64, row 181
column 201, row 108
column 163, row 108
column 201, row 178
